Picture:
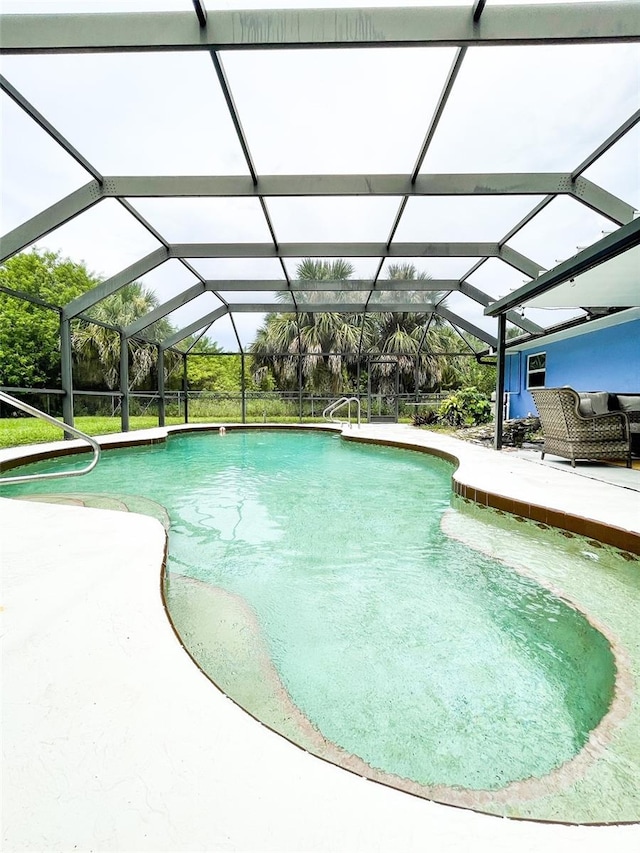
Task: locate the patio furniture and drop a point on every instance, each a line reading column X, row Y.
column 581, row 426
column 630, row 405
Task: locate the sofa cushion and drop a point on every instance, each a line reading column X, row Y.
column 594, row 403
column 629, row 402
column 584, row 406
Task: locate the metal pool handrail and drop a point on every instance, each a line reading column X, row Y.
column 30, row 410
column 332, row 408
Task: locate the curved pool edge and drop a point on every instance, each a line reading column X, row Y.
column 161, row 726
column 610, row 724
column 492, row 488
column 493, row 479
column 450, row 457
column 12, row 457
column 487, row 802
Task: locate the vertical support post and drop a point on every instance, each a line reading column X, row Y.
column 185, row 388
column 66, row 368
column 124, row 382
column 300, row 387
column 161, row 397
column 397, row 390
column 243, row 389
column 499, row 419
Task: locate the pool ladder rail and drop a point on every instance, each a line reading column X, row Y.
column 30, row 410
column 332, row 408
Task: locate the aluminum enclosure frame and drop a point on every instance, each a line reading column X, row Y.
column 462, row 27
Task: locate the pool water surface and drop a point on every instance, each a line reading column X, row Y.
column 316, row 582
column 318, row 571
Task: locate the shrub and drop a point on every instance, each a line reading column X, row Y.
column 425, row 418
column 465, row 407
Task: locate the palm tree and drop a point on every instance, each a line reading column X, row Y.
column 407, row 338
column 98, row 348
column 338, row 270
column 327, row 343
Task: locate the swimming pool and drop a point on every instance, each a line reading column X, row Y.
column 312, row 580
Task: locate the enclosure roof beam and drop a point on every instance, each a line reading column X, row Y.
column 201, row 12
column 442, row 26
column 48, row 128
column 331, row 250
column 439, row 110
column 143, row 221
column 50, row 219
column 609, row 247
column 238, row 186
column 194, row 327
column 589, row 161
column 433, row 124
column 484, row 299
column 244, row 144
column 235, row 117
column 112, row 285
column 518, row 261
column 164, row 309
column 29, row 297
column 602, row 201
column 235, row 331
column 527, row 218
column 198, row 339
column 606, row 145
column 478, row 8
column 355, row 250
column 456, row 320
column 303, row 286
column 454, row 70
column 332, row 307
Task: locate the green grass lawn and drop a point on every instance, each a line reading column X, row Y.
column 15, row 432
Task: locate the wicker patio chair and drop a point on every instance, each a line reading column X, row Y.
column 573, row 435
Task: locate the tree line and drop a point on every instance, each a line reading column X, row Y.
column 336, row 351
column 30, row 332
column 330, row 351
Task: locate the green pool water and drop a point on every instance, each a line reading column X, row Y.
column 401, row 645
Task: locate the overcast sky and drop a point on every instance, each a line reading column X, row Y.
column 512, row 109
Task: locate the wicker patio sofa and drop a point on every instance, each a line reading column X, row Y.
column 581, row 426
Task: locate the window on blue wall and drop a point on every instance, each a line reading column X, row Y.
column 536, row 369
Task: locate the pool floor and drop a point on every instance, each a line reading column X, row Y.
column 600, row 785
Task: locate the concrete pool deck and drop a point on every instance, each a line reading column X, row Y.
column 115, row 741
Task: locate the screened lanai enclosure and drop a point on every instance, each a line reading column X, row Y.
column 307, row 203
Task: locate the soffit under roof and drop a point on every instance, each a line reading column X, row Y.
column 613, row 284
column 610, row 321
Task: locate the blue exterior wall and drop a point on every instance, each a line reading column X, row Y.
column 598, row 360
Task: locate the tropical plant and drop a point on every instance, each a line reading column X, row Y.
column 97, row 347
column 470, row 372
column 416, row 342
column 30, row 332
column 407, row 339
column 465, row 407
column 321, row 345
